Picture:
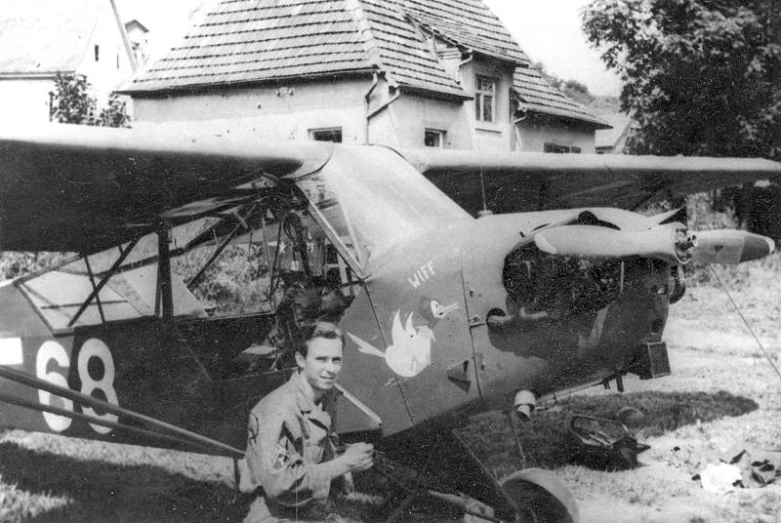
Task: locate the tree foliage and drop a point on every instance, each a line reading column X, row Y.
column 701, row 77
column 572, row 88
column 72, row 102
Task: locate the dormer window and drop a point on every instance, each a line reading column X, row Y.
column 485, row 99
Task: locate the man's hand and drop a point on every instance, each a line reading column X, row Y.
column 358, row 457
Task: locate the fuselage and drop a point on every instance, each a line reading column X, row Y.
column 440, row 290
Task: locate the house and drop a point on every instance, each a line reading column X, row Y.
column 405, row 73
column 138, row 36
column 40, row 38
column 613, row 140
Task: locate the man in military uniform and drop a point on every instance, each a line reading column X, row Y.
column 291, row 459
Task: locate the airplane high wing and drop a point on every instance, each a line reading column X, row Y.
column 524, row 182
column 84, row 189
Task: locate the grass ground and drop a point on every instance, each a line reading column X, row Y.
column 722, row 397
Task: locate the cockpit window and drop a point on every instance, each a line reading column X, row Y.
column 246, row 260
column 374, row 200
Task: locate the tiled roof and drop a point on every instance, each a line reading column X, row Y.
column 536, row 94
column 468, row 23
column 402, row 51
column 241, row 41
column 46, row 36
column 398, row 29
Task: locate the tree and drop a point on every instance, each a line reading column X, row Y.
column 73, row 103
column 571, row 88
column 701, row 77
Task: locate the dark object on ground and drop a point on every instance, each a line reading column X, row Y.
column 602, row 444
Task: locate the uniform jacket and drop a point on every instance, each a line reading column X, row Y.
column 289, row 446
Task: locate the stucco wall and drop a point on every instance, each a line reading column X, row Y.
column 291, row 112
column 25, row 101
column 285, row 112
column 531, row 137
column 398, row 119
column 412, row 114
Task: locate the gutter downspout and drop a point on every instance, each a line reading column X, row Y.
column 517, row 131
column 367, row 97
column 460, row 79
column 372, row 114
column 466, row 61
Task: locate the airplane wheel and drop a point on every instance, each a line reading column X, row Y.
column 541, row 497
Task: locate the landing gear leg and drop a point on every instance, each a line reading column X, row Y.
column 452, row 473
column 538, row 494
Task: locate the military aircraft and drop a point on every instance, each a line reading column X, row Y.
column 445, row 314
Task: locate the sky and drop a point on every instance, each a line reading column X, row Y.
column 547, row 30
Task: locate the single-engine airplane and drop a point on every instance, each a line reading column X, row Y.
column 445, row 314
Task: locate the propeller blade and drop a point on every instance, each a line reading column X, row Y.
column 668, row 242
column 730, row 247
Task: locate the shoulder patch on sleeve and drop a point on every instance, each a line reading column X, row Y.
column 281, row 457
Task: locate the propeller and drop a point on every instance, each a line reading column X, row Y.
column 669, row 242
column 730, row 247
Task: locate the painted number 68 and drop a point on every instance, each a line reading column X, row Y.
column 92, row 348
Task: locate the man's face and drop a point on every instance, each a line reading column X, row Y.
column 322, row 363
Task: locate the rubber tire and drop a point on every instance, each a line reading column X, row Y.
column 541, row 497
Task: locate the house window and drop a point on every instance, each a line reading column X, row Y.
column 434, row 138
column 97, row 53
column 333, row 134
column 485, row 99
column 556, row 148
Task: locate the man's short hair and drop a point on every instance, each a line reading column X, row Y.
column 319, row 329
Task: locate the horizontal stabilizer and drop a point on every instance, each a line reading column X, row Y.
column 730, row 247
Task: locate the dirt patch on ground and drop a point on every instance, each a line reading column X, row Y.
column 711, row 350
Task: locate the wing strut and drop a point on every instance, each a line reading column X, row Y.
column 97, row 296
column 164, row 293
column 169, row 432
column 94, row 420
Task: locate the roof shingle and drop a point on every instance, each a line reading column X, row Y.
column 538, row 95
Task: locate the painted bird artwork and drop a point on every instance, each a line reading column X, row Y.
column 410, row 349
